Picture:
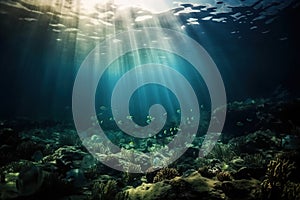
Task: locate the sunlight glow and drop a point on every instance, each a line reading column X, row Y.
column 155, row 6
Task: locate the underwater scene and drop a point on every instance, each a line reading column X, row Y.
column 158, row 99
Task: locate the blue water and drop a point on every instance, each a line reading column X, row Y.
column 255, row 48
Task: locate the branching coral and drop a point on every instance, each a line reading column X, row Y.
column 291, row 191
column 224, row 176
column 165, row 174
column 132, row 178
column 254, row 160
column 209, row 172
column 104, row 191
column 278, row 173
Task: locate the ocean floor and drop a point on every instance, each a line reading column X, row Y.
column 257, row 157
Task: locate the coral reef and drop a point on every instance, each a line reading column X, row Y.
column 224, row 176
column 291, row 191
column 222, row 152
column 241, row 189
column 165, row 174
column 191, row 187
column 277, row 175
column 254, row 160
column 255, row 142
column 104, row 191
column 37, row 158
column 133, row 179
column 208, row 171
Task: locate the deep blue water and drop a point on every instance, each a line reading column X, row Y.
column 38, row 67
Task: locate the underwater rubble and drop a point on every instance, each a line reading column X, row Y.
column 257, row 157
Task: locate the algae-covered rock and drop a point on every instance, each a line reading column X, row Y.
column 241, row 189
column 148, row 191
column 66, row 158
column 8, row 189
column 257, row 142
column 196, row 186
column 191, row 187
column 30, row 180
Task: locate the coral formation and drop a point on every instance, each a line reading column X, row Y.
column 192, row 187
column 222, row 152
column 241, row 189
column 277, row 175
column 224, row 176
column 254, row 160
column 104, row 191
column 208, row 171
column 291, row 191
column 37, row 161
column 165, row 174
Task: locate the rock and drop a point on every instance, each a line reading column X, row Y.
column 148, row 191
column 261, row 114
column 66, row 158
column 188, row 173
column 257, row 142
column 248, row 173
column 29, row 180
column 27, row 148
column 237, row 162
column 8, row 188
column 191, row 187
column 241, row 189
